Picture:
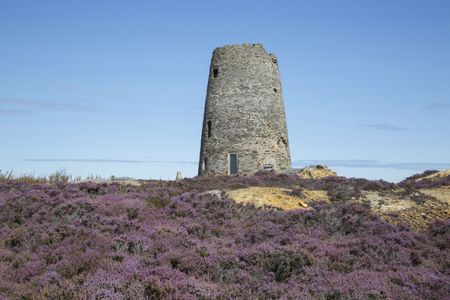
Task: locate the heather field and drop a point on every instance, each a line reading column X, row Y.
column 188, row 240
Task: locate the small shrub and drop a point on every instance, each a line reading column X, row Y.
column 157, row 202
column 297, row 193
column 342, row 193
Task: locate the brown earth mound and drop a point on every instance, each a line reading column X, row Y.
column 314, row 172
column 276, row 197
column 416, row 208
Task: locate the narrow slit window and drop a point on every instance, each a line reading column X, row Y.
column 205, row 164
column 209, row 129
column 215, row 72
column 275, row 90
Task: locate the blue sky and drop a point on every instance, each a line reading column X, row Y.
column 118, row 87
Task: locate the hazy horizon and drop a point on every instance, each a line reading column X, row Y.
column 139, row 169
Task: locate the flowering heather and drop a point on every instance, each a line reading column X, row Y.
column 424, row 183
column 169, row 239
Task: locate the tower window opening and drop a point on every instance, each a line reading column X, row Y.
column 233, row 163
column 268, row 167
column 205, row 164
column 275, row 90
column 215, row 72
column 282, row 140
column 209, row 129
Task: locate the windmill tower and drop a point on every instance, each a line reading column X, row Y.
column 244, row 124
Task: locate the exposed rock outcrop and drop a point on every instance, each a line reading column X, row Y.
column 313, row 172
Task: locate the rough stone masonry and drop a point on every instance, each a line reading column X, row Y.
column 244, row 124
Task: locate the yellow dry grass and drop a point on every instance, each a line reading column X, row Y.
column 391, row 206
column 316, row 172
column 435, row 176
column 276, row 197
column 441, row 194
column 386, row 203
column 394, row 208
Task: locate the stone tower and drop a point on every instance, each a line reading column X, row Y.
column 244, row 124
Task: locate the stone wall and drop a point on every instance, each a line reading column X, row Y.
column 244, row 112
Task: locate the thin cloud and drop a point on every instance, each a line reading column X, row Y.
column 373, row 164
column 94, row 160
column 352, row 163
column 97, row 160
column 418, row 166
column 15, row 112
column 385, row 126
column 177, row 162
column 435, row 107
column 49, row 105
column 100, row 92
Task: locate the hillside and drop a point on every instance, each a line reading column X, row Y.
column 266, row 236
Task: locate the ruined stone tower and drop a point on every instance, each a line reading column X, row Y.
column 244, row 124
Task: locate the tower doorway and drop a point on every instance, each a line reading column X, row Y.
column 233, row 160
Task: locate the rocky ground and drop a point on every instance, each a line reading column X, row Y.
column 414, row 207
column 417, row 209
